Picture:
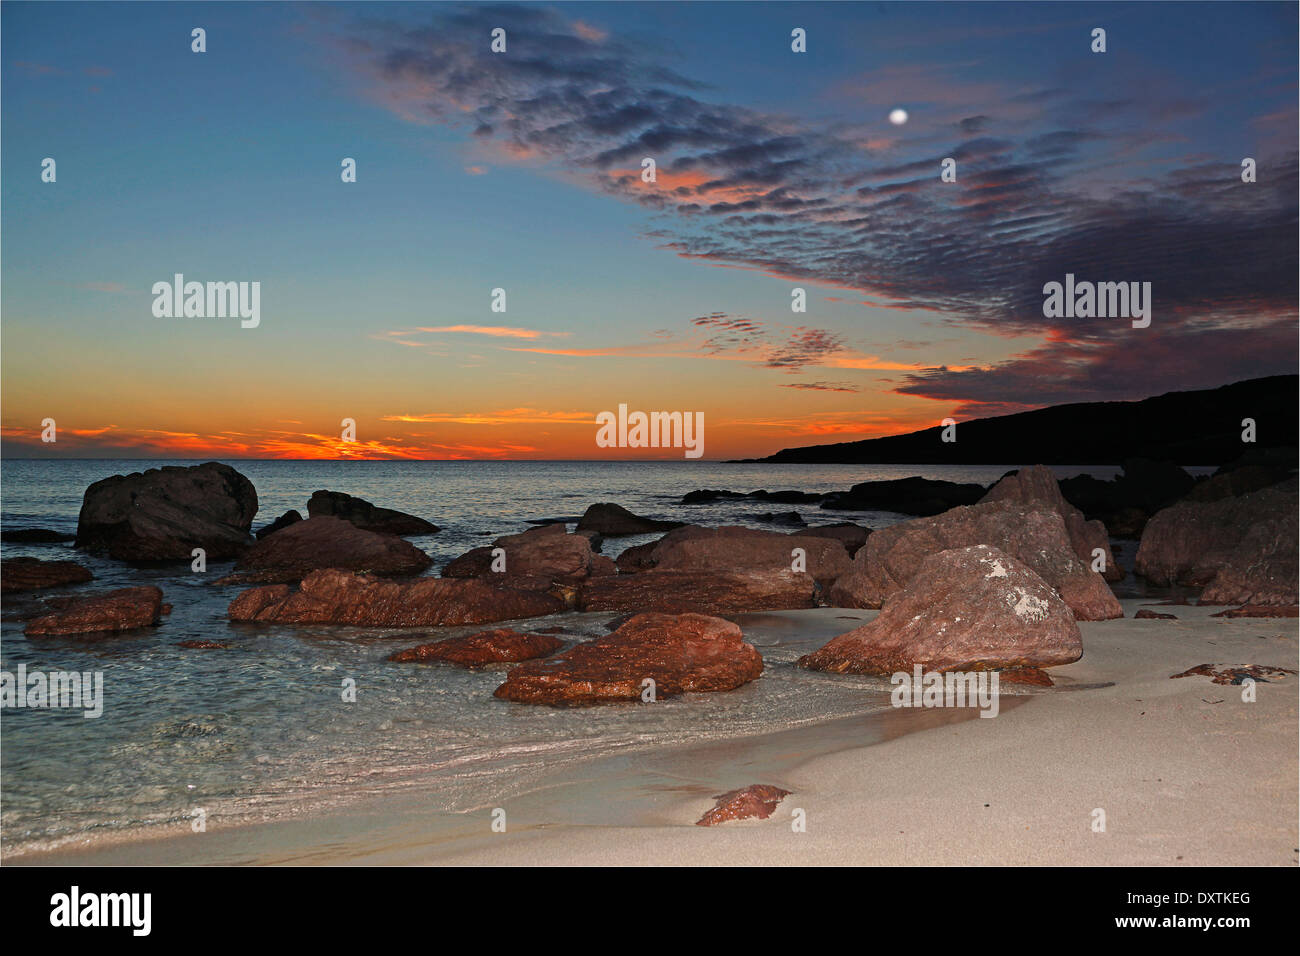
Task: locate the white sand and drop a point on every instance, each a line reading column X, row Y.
column 1186, row 772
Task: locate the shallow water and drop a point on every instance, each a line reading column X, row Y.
column 260, row 730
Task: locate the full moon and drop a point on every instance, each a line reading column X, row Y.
column 898, row 117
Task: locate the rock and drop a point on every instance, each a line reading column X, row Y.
column 735, row 549
column 852, row 536
column 1239, row 481
column 1150, row 485
column 1037, row 487
column 1226, row 674
column 677, row 592
column 342, row 597
column 757, row 800
column 1241, row 549
column 1260, row 610
column 973, row 608
column 110, row 612
column 163, row 514
column 637, row 558
column 892, row 556
column 368, row 517
column 286, row 519
column 616, row 521
column 784, row 517
column 681, row 653
column 35, row 536
column 1146, row 615
column 203, row 645
column 31, row 574
column 709, row 495
column 536, row 559
column 306, row 546
column 908, row 496
column 500, row 646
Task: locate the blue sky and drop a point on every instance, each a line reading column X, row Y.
column 777, row 170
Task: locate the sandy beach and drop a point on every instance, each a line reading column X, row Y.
column 1184, row 770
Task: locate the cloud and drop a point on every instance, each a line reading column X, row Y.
column 1069, row 177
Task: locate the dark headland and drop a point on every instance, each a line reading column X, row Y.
column 1193, row 428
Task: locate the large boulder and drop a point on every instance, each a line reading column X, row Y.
column 681, row 653
column 735, row 549
column 614, row 521
column 500, row 646
column 1037, row 538
column 342, row 597
column 1250, row 539
column 305, row 546
column 973, row 608
column 121, row 610
column 535, row 558
column 852, row 536
column 677, row 592
column 31, row 574
column 908, row 496
column 163, row 514
column 1037, row 487
column 368, row 517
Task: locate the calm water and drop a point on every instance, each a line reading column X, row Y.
column 260, row 729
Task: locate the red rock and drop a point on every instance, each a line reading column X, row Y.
column 735, row 549
column 368, row 517
column 500, row 646
column 757, row 800
column 970, row 608
column 1260, row 610
column 109, row 612
column 342, row 597
column 1036, row 538
column 1242, row 549
column 681, row 653
column 31, row 574
column 1144, row 614
column 203, row 645
column 679, row 592
column 852, row 536
column 305, row 546
column 164, row 513
column 1037, row 487
column 536, row 558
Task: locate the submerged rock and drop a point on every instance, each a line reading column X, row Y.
column 110, row 612
column 1147, row 615
column 342, row 597
column 500, row 646
column 32, row 574
column 973, row 608
column 35, row 536
column 164, row 513
column 368, row 517
column 680, row 653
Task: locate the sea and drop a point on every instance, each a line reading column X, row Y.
column 265, row 729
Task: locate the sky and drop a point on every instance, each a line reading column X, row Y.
column 775, row 170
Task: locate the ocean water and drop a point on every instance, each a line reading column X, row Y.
column 260, row 730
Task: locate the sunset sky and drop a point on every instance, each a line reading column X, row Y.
column 521, row 171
